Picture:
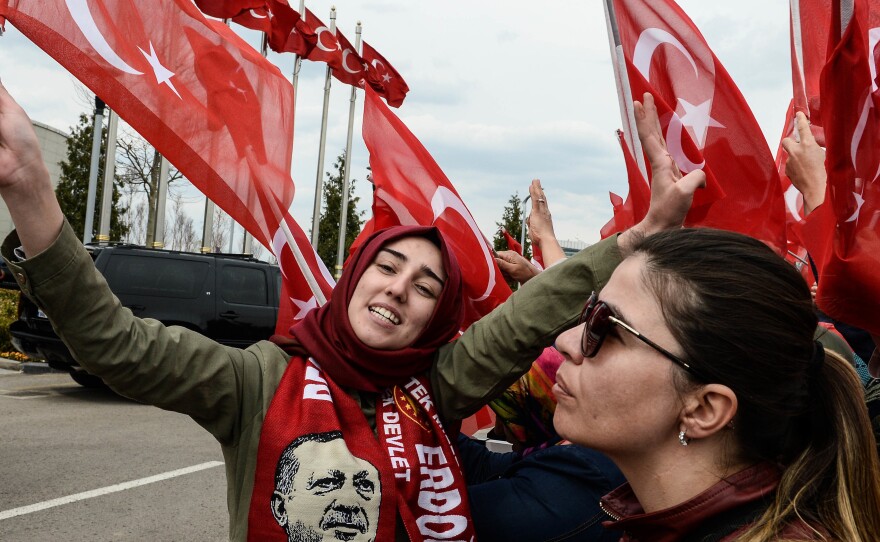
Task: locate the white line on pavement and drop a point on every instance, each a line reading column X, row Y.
column 105, row 490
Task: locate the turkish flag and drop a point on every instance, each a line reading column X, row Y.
column 843, row 234
column 227, row 9
column 289, row 33
column 297, row 298
column 630, row 212
column 353, row 69
column 383, row 77
column 410, row 188
column 706, row 121
column 256, row 19
column 512, row 244
column 810, row 21
column 205, row 99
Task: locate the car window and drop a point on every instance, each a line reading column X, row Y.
column 155, row 276
column 244, row 285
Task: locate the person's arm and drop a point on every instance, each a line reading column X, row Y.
column 541, row 226
column 173, row 368
column 500, row 347
column 805, row 166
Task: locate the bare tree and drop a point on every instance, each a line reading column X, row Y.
column 138, row 164
column 220, row 230
column 182, row 231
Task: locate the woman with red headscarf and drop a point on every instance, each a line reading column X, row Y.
column 336, row 434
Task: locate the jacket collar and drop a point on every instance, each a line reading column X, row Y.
column 671, row 524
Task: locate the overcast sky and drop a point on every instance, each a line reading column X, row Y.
column 500, row 92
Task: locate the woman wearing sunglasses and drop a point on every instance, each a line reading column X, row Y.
column 696, row 370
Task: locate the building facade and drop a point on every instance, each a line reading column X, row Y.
column 53, row 143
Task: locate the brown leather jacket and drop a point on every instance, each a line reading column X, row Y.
column 673, row 524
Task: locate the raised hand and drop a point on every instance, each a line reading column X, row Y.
column 541, row 226
column 806, row 164
column 671, row 193
column 515, row 267
column 24, row 180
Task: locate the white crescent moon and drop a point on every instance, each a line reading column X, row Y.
column 648, row 41
column 673, row 144
column 377, row 61
column 255, row 15
column 345, row 63
column 445, row 199
column 79, row 11
column 320, row 30
column 873, row 39
column 792, row 202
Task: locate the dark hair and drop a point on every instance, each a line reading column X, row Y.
column 744, row 318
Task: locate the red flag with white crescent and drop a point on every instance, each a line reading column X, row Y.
column 706, row 121
column 512, row 244
column 410, row 188
column 353, row 69
column 297, row 298
column 226, row 9
column 288, row 32
column 630, row 212
column 383, row 77
column 843, row 234
column 210, row 103
column 256, row 19
column 810, row 21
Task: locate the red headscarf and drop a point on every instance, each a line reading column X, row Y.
column 326, row 334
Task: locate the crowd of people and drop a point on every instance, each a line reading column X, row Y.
column 683, row 388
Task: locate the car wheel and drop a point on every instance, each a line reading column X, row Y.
column 86, row 380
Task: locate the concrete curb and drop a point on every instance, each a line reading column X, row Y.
column 10, row 365
column 27, row 367
column 33, row 368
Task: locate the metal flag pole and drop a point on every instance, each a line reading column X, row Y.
column 624, row 92
column 93, row 170
column 161, row 201
column 319, row 181
column 522, row 216
column 346, row 175
column 208, row 227
column 846, row 13
column 297, row 60
column 797, row 42
column 109, row 177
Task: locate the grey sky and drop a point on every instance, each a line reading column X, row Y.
column 501, row 92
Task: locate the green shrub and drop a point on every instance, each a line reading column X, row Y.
column 8, row 309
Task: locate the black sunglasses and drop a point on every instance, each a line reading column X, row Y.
column 599, row 318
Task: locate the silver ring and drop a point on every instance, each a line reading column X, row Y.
column 542, row 200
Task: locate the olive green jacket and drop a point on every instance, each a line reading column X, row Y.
column 228, row 391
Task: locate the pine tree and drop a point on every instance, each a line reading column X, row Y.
column 328, row 229
column 73, row 187
column 512, row 221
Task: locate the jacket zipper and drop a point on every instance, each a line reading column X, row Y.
column 609, row 514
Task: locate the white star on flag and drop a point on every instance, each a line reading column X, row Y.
column 163, row 74
column 698, row 118
column 304, row 307
column 386, row 78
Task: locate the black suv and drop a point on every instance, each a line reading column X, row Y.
column 231, row 299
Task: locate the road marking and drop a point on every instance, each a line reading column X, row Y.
column 105, row 490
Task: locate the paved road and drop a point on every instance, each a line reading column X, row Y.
column 59, row 440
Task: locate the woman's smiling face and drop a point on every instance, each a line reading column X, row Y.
column 396, row 296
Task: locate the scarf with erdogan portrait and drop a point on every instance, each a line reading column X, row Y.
column 321, row 471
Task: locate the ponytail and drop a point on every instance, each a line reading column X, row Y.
column 833, row 483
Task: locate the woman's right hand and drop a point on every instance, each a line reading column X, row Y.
column 20, row 158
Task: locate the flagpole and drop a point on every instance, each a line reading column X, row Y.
column 319, row 181
column 346, row 175
column 624, row 92
column 97, row 132
column 297, row 60
column 303, row 265
column 161, row 202
column 846, row 13
column 798, row 44
column 109, row 175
